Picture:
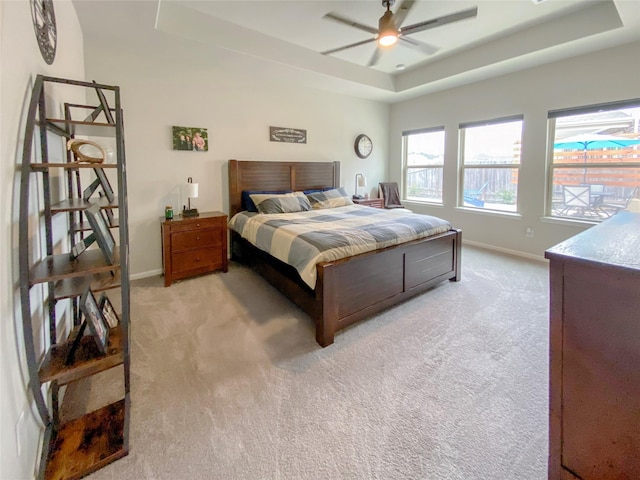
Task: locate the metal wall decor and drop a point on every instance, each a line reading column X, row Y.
column 287, row 135
column 44, row 25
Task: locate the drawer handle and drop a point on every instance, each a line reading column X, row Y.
column 197, row 238
column 197, row 224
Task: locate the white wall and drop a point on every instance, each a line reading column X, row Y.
column 161, row 90
column 600, row 77
column 20, row 61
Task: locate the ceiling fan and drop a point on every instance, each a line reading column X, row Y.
column 390, row 29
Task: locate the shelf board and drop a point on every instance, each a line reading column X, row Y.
column 70, row 128
column 39, row 167
column 88, row 443
column 74, row 287
column 79, row 204
column 88, row 360
column 61, row 266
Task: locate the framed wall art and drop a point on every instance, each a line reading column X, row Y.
column 190, row 139
column 287, row 135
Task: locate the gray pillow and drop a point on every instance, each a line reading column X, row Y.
column 281, row 203
column 337, row 197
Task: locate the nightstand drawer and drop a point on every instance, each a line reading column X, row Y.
column 204, row 258
column 194, row 224
column 191, row 239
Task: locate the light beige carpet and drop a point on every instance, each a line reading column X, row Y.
column 228, row 382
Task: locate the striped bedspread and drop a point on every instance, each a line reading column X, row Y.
column 304, row 239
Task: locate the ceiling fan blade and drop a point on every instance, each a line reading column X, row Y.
column 375, row 57
column 402, row 12
column 418, row 45
column 357, row 44
column 350, row 23
column 438, row 22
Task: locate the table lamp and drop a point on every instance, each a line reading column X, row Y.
column 361, row 181
column 191, row 191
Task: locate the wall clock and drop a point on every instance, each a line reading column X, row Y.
column 363, row 146
column 44, row 24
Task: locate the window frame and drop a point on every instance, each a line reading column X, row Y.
column 405, row 162
column 462, row 166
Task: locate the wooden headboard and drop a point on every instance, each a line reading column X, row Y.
column 278, row 176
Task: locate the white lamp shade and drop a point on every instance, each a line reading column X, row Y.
column 191, row 190
column 362, row 180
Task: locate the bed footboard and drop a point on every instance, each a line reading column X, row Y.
column 352, row 289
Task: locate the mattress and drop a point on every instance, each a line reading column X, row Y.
column 304, row 239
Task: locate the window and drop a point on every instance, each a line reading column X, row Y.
column 490, row 164
column 594, row 169
column 424, row 161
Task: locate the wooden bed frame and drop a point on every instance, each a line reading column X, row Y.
column 350, row 289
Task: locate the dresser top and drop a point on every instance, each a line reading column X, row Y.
column 616, row 241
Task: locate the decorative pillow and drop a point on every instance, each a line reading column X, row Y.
column 249, row 205
column 282, row 203
column 316, row 190
column 336, row 197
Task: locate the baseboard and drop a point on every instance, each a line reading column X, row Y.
column 517, row 253
column 508, row 251
column 150, row 273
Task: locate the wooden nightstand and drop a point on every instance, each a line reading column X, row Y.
column 194, row 245
column 369, row 202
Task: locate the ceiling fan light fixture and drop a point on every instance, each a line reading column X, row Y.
column 386, row 39
column 388, row 32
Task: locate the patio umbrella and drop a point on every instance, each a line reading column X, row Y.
column 593, row 141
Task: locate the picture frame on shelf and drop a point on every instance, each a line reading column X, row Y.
column 82, row 245
column 95, row 319
column 100, row 181
column 108, row 213
column 109, row 313
column 103, row 235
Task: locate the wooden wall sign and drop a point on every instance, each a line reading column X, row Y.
column 288, row 135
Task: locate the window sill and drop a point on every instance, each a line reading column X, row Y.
column 568, row 221
column 426, row 204
column 491, row 213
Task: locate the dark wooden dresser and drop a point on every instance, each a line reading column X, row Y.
column 195, row 245
column 594, row 397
